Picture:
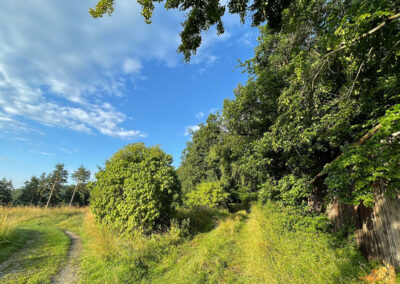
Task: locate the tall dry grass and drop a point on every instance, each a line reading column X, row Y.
column 8, row 225
column 11, row 217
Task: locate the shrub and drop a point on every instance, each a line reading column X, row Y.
column 208, row 194
column 137, row 190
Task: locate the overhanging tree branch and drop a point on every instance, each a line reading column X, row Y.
column 358, row 143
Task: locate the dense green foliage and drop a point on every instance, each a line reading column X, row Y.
column 291, row 190
column 327, row 77
column 376, row 161
column 137, row 190
column 208, row 194
column 5, row 191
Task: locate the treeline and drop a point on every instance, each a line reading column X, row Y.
column 325, row 78
column 49, row 189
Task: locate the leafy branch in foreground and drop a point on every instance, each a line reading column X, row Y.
column 202, row 15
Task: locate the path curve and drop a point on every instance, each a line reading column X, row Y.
column 70, row 272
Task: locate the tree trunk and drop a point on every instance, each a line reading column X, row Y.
column 73, row 194
column 30, row 203
column 51, row 193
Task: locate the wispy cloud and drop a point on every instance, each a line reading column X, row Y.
column 66, row 150
column 200, row 115
column 43, row 153
column 213, row 110
column 59, row 66
column 191, row 129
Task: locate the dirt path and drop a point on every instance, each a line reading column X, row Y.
column 69, row 273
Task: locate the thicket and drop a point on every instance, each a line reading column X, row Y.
column 328, row 76
column 137, row 190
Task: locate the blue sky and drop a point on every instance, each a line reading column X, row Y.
column 75, row 89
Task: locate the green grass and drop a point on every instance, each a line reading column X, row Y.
column 202, row 246
column 270, row 253
column 20, row 237
column 222, row 248
column 40, row 258
column 39, row 247
column 207, row 258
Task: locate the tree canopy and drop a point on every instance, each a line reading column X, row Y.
column 316, row 86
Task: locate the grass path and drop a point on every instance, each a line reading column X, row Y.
column 256, row 248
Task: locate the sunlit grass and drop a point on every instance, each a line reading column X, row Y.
column 36, row 246
column 271, row 253
column 202, row 246
column 8, row 225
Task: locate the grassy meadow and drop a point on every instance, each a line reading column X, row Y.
column 202, row 246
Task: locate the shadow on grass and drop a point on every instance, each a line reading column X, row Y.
column 21, row 239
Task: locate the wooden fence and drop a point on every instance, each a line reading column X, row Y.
column 377, row 228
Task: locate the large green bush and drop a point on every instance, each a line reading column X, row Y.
column 137, row 190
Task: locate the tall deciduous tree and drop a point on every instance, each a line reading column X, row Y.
column 81, row 177
column 316, row 86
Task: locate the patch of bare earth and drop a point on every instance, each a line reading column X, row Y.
column 70, row 272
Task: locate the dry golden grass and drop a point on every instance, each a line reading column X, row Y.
column 8, row 225
column 102, row 242
column 29, row 212
column 11, row 217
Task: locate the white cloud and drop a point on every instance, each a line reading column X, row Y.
column 200, row 115
column 58, row 66
column 191, row 129
column 132, row 65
